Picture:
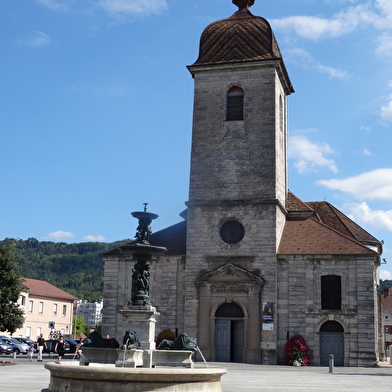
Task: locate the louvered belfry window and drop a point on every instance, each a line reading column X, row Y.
column 235, row 104
column 331, row 292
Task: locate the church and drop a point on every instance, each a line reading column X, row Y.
column 251, row 264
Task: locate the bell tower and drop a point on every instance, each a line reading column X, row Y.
column 238, row 185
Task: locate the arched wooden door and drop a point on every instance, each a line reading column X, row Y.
column 331, row 342
column 229, row 333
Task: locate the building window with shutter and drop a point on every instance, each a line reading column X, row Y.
column 235, row 104
column 331, row 292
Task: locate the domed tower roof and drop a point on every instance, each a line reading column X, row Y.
column 242, row 37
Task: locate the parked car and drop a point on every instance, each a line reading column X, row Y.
column 5, row 348
column 28, row 341
column 51, row 344
column 17, row 347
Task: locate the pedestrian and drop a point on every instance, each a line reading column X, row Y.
column 41, row 346
column 78, row 349
column 60, row 348
column 31, row 352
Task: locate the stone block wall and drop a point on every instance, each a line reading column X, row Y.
column 299, row 310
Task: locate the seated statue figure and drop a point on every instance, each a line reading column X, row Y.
column 98, row 341
column 131, row 340
column 181, row 342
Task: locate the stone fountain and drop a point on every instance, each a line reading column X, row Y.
column 137, row 365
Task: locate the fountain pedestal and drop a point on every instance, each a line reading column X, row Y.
column 142, row 320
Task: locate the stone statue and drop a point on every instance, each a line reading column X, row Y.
column 179, row 343
column 141, row 277
column 131, row 340
column 98, row 341
column 143, row 231
column 241, row 4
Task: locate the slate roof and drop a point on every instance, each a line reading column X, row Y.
column 45, row 289
column 173, row 238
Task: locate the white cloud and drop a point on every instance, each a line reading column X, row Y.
column 366, row 152
column 385, row 275
column 38, row 39
column 384, row 48
column 386, row 111
column 304, row 59
column 364, row 215
column 376, row 184
column 58, row 235
column 377, row 14
column 133, row 7
column 94, row 238
column 310, row 156
column 53, row 5
column 363, row 128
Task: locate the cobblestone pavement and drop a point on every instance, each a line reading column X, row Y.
column 24, row 376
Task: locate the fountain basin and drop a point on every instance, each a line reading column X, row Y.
column 98, row 355
column 73, row 378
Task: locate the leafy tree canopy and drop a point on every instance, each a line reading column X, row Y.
column 11, row 315
column 79, row 326
column 75, row 268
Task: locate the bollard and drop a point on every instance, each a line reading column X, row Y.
column 331, row 363
column 14, row 354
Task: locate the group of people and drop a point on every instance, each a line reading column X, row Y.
column 59, row 348
column 41, row 344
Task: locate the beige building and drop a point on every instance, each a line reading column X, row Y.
column 252, row 265
column 46, row 309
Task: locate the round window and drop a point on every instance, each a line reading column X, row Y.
column 232, row 232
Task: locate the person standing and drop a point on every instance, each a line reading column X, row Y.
column 60, row 348
column 41, row 346
column 31, row 352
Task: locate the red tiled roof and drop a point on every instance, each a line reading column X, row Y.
column 40, row 287
column 312, row 237
column 334, row 218
column 295, row 204
column 387, row 303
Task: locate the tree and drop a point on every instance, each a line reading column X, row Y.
column 79, row 323
column 11, row 315
column 98, row 327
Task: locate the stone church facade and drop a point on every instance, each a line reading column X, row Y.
column 252, row 265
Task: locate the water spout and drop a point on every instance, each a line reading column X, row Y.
column 201, row 354
column 125, row 350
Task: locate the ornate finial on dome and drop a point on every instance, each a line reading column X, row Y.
column 243, row 4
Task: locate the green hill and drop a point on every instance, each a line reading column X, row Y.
column 74, row 268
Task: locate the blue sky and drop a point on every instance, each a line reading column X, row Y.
column 96, row 111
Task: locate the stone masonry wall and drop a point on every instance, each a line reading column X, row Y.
column 299, row 310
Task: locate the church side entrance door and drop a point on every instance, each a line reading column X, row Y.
column 331, row 342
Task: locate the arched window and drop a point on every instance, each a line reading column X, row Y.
column 235, row 104
column 331, row 292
